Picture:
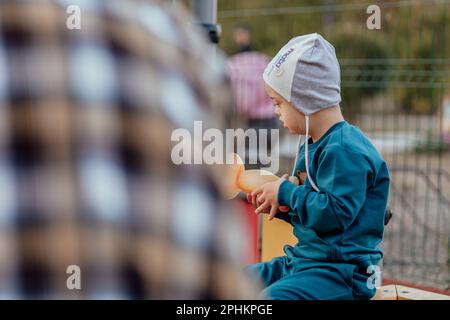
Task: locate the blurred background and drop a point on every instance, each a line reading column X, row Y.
column 396, row 88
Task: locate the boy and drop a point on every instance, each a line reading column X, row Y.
column 338, row 212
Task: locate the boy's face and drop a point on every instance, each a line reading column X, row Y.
column 291, row 118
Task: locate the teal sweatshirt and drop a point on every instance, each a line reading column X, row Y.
column 344, row 222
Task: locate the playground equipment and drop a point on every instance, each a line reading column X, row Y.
column 275, row 233
column 237, row 179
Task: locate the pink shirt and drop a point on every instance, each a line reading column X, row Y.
column 246, row 74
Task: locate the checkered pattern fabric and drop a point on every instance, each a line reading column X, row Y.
column 86, row 177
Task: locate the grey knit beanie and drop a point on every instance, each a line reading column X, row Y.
column 306, row 73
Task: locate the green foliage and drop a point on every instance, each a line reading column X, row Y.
column 429, row 46
column 270, row 32
column 432, row 147
column 363, row 73
column 408, row 33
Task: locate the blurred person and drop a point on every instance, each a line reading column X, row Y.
column 253, row 108
column 338, row 212
column 242, row 36
column 86, row 177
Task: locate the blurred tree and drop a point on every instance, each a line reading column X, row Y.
column 428, row 48
column 364, row 72
column 408, row 32
column 270, row 30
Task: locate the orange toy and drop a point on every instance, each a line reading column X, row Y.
column 237, row 179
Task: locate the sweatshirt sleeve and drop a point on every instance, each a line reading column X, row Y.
column 342, row 177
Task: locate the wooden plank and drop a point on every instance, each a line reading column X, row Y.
column 275, row 234
column 386, row 293
column 397, row 282
column 407, row 293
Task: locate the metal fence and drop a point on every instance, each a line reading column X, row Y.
column 398, row 99
column 417, row 239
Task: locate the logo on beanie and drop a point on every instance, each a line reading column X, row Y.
column 283, row 58
column 279, row 72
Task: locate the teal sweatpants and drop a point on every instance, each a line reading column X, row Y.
column 288, row 278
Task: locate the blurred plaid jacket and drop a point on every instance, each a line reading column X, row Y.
column 86, row 177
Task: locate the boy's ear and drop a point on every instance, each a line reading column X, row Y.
column 296, row 109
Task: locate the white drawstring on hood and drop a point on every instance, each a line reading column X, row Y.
column 313, row 185
column 311, row 181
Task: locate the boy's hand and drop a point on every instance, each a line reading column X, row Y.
column 267, row 196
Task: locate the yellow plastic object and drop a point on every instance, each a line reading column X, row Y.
column 275, row 233
column 237, row 179
column 249, row 180
column 232, row 172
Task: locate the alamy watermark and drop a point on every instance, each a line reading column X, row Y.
column 374, row 280
column 73, row 281
column 373, row 22
column 73, row 21
column 214, row 146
